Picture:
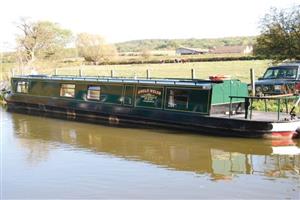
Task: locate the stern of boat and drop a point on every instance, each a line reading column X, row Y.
column 284, row 130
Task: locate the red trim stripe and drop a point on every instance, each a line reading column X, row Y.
column 283, row 134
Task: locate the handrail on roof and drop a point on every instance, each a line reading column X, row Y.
column 122, row 79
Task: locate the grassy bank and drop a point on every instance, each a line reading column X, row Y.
column 272, row 106
column 236, row 69
column 157, row 59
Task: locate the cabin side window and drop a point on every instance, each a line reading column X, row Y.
column 178, row 99
column 185, row 99
column 67, row 90
column 93, row 92
column 22, row 87
column 111, row 94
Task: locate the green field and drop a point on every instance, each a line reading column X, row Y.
column 236, row 69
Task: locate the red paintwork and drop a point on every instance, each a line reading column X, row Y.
column 284, row 134
column 297, row 86
column 284, row 142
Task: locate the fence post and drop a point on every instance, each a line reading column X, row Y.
column 148, row 73
column 112, row 73
column 56, row 72
column 80, row 72
column 193, row 73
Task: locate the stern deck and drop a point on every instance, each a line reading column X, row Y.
column 258, row 116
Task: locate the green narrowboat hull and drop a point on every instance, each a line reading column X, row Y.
column 195, row 108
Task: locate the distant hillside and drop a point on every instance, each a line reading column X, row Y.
column 166, row 44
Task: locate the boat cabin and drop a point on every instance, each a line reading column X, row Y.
column 207, row 106
column 203, row 97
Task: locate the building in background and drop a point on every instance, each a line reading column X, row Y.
column 232, row 49
column 190, row 51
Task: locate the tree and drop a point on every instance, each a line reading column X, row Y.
column 280, row 34
column 42, row 38
column 94, row 48
column 146, row 54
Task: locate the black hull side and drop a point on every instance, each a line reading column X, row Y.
column 117, row 114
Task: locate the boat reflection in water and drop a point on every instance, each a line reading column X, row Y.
column 220, row 158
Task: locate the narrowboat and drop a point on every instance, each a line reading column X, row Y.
column 212, row 106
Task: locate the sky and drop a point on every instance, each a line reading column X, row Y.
column 123, row 20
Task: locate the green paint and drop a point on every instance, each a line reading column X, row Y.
column 221, row 92
column 172, row 98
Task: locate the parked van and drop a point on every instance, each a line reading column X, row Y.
column 280, row 79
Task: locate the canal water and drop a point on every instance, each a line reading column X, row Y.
column 55, row 158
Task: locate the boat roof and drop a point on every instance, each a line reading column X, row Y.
column 159, row 81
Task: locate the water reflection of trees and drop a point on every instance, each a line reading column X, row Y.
column 35, row 150
column 223, row 158
column 226, row 164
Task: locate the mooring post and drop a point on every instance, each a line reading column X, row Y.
column 252, row 77
column 56, row 72
column 193, row 74
column 80, row 72
column 112, row 73
column 148, row 73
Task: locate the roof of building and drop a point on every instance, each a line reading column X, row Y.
column 193, row 49
column 229, row 49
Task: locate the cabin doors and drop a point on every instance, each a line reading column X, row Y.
column 128, row 95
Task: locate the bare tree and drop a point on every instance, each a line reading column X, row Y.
column 146, row 53
column 42, row 37
column 94, row 48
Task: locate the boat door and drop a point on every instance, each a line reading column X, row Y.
column 128, row 95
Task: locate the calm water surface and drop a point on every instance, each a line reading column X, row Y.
column 52, row 158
